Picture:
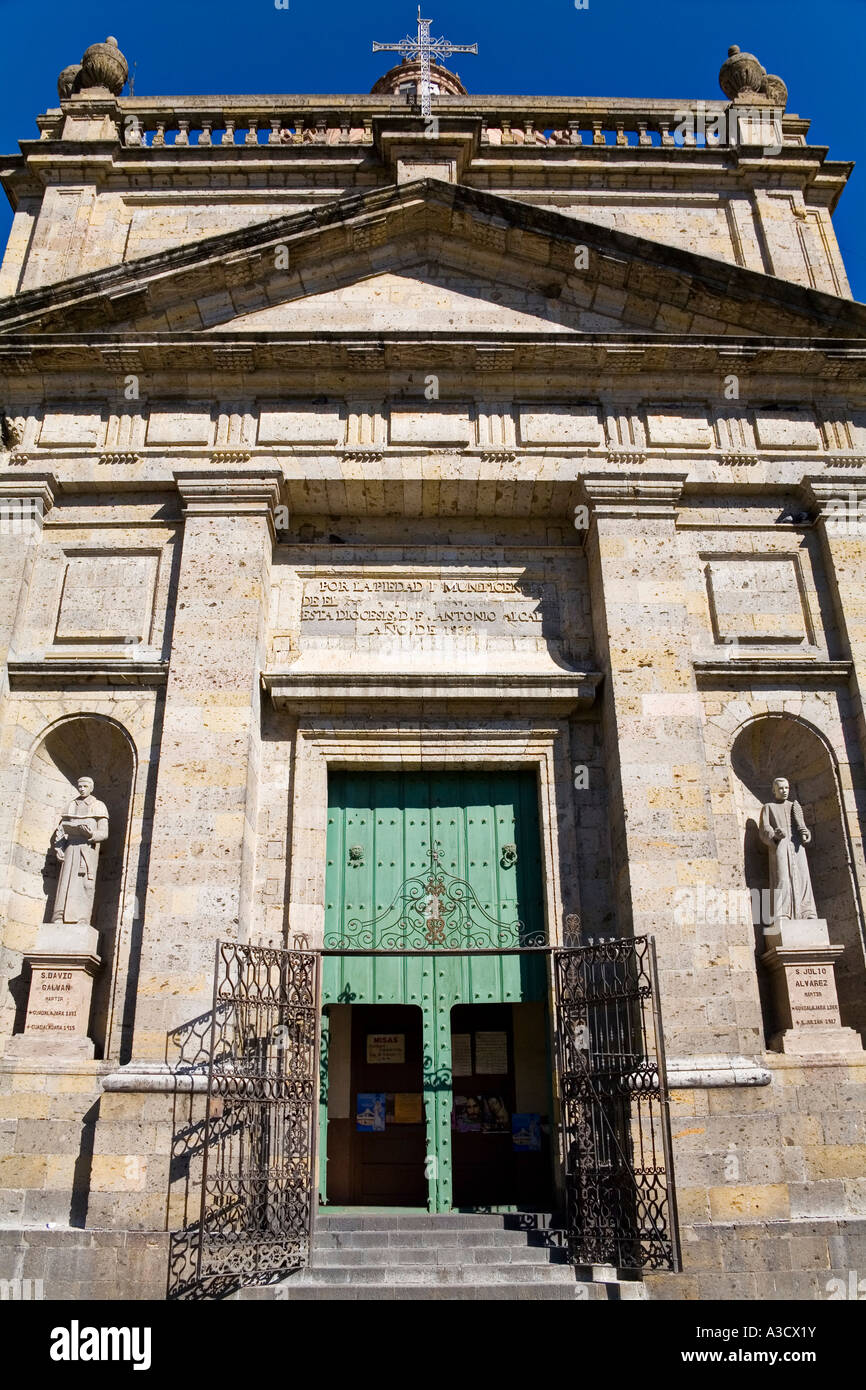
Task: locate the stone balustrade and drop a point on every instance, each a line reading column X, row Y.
column 205, row 122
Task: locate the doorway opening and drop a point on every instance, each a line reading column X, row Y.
column 377, row 1135
column 500, row 1119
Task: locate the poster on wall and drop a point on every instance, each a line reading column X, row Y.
column 370, row 1112
column 491, row 1054
column 461, row 1054
column 496, row 1117
column 526, row 1134
column 408, row 1108
column 467, row 1114
column 386, row 1048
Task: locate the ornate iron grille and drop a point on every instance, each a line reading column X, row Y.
column 259, row 1153
column 434, row 910
column 621, row 1207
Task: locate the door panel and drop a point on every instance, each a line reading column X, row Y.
column 387, row 831
column 387, row 1167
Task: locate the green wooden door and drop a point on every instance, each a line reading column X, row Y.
column 422, row 862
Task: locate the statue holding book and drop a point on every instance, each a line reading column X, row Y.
column 77, row 838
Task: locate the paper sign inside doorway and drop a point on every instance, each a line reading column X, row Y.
column 461, row 1054
column 386, row 1047
column 491, row 1054
column 408, row 1108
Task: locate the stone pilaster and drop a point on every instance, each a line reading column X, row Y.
column 663, row 838
column 24, row 503
column 839, row 504
column 201, row 866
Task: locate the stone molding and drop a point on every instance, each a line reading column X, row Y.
column 795, row 670
column 563, row 692
column 561, row 357
column 50, row 674
column 695, row 1073
column 156, row 1077
column 823, row 489
column 633, row 495
column 40, row 488
column 215, row 493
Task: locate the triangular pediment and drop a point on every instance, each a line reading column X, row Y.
column 429, row 257
column 439, row 297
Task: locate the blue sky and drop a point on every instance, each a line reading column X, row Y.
column 632, row 48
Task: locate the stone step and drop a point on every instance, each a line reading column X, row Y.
column 402, row 1292
column 430, row 1237
column 488, row 1272
column 446, row 1221
column 447, row 1255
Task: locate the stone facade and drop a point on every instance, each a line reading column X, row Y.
column 537, row 439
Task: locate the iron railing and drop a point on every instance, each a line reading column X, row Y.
column 621, row 1204
column 260, row 1129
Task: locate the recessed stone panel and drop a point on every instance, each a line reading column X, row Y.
column 179, row 427
column 107, row 597
column 445, row 425
column 786, row 429
column 521, row 612
column 560, row 424
column 677, row 428
column 303, row 424
column 67, row 427
column 757, row 599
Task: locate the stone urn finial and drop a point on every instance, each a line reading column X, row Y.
column 103, row 65
column 743, row 79
column 67, row 82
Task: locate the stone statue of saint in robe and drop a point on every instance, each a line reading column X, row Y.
column 77, row 838
column 783, row 829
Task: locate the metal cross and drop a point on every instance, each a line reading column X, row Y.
column 426, row 49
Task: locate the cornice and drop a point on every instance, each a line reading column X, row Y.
column 825, row 490
column 211, row 492
column 561, row 691
column 37, row 487
column 644, row 495
column 780, row 669
column 58, row 674
column 235, row 357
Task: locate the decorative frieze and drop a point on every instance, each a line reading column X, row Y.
column 119, row 460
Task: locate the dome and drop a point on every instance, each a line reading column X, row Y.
column 404, row 79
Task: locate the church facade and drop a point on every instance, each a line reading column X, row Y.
column 431, row 731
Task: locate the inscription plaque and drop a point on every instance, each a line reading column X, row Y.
column 59, row 1002
column 353, row 608
column 812, row 996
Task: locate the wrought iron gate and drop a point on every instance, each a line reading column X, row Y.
column 621, row 1206
column 259, row 1144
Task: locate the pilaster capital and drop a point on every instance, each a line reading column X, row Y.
column 26, row 498
column 216, row 493
column 624, row 495
column 825, row 491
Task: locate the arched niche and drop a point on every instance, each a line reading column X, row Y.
column 784, row 746
column 81, row 745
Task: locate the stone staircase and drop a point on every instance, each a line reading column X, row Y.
column 418, row 1256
